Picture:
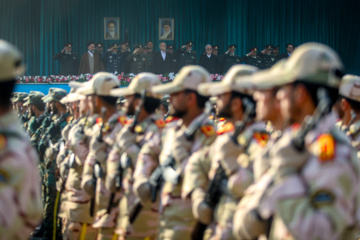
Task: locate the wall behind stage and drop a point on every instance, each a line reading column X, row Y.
column 41, row 27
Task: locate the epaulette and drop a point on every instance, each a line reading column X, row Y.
column 122, row 120
column 171, row 119
column 261, row 138
column 208, row 130
column 69, row 119
column 160, row 123
column 324, row 148
column 228, row 127
column 53, row 118
column 141, row 127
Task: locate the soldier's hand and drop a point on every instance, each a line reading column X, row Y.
column 63, row 50
column 109, row 50
column 98, row 149
column 125, row 138
column 288, row 160
column 180, row 148
column 227, row 152
column 263, row 51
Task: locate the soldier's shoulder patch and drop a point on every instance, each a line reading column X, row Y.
column 69, row 119
column 208, row 130
column 139, row 129
column 322, row 198
column 160, row 123
column 261, row 138
column 171, row 119
column 325, row 145
column 3, row 141
column 228, row 127
column 99, row 121
column 122, row 120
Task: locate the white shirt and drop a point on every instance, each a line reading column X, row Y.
column 163, row 54
column 91, row 54
column 208, row 55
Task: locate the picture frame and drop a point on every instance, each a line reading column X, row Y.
column 111, row 28
column 166, row 29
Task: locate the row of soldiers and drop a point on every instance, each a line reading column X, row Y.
column 277, row 167
column 118, row 58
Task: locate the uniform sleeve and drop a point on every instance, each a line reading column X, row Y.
column 20, row 193
column 321, row 209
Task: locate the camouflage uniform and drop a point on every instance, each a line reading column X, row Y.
column 20, row 193
column 309, row 193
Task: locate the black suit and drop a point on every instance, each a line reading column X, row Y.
column 210, row 63
column 161, row 66
column 284, row 55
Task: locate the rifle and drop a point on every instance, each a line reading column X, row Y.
column 138, row 110
column 352, row 120
column 216, row 189
column 191, row 130
column 309, row 123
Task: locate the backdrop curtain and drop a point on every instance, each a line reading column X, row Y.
column 40, row 28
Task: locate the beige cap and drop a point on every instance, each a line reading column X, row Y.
column 138, row 84
column 72, row 97
column 11, row 64
column 235, row 73
column 311, row 62
column 100, row 84
column 350, row 87
column 189, row 77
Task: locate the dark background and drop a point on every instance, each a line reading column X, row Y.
column 40, row 28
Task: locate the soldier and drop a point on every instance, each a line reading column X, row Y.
column 145, row 126
column 229, row 58
column 37, row 109
column 19, row 100
column 20, row 191
column 179, row 141
column 266, row 56
column 349, row 92
column 209, row 61
column 186, row 56
column 149, row 46
column 174, row 61
column 48, row 151
column 68, row 59
column 215, row 50
column 103, row 136
column 125, row 52
column 252, row 59
column 100, row 48
column 137, row 60
column 113, row 60
column 220, row 162
column 310, row 190
column 275, row 56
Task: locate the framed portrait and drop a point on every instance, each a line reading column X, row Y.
column 111, row 28
column 166, row 29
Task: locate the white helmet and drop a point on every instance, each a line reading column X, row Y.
column 11, row 64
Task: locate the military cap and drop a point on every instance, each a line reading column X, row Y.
column 20, row 97
column 100, row 84
column 350, row 87
column 142, row 81
column 310, row 62
column 189, row 43
column 11, row 65
column 13, row 96
column 215, row 47
column 56, row 95
column 99, row 45
column 277, row 47
column 36, row 93
column 138, row 46
column 232, row 46
column 51, row 90
column 228, row 83
column 124, row 43
column 269, row 47
column 73, row 96
column 68, row 44
column 170, row 47
column 115, row 45
column 35, row 99
column 189, row 77
column 253, row 49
